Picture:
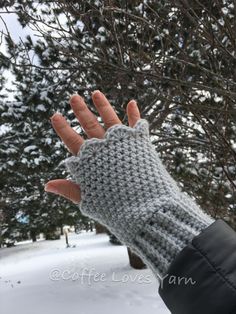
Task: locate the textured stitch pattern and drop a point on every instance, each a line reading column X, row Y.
column 126, row 187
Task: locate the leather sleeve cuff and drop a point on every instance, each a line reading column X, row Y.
column 202, row 278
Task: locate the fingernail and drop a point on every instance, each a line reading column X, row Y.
column 96, row 93
column 75, row 98
column 133, row 103
column 75, row 202
column 56, row 117
column 50, row 188
column 76, row 101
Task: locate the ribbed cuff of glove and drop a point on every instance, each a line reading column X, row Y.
column 125, row 186
column 172, row 226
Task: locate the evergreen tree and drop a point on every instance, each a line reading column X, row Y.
column 31, row 153
column 175, row 57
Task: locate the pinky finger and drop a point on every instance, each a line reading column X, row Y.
column 132, row 112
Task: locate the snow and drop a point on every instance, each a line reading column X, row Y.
column 225, row 10
column 146, row 67
column 233, row 145
column 4, row 129
column 80, row 25
column 41, row 107
column 48, row 140
column 30, row 148
column 91, row 277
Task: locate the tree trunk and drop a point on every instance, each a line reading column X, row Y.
column 100, row 228
column 135, row 261
column 67, row 241
column 33, row 236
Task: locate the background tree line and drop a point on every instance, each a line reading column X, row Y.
column 176, row 58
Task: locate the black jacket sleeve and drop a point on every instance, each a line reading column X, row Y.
column 202, row 278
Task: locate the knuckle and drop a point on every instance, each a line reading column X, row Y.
column 74, row 141
column 111, row 122
column 91, row 125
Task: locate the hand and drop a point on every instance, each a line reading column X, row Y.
column 92, row 128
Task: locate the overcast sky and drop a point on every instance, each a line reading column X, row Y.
column 16, row 32
column 13, row 26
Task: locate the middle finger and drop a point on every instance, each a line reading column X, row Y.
column 105, row 109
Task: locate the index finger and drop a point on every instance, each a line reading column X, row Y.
column 69, row 136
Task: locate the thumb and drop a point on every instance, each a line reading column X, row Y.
column 65, row 188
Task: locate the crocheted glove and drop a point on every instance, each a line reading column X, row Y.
column 126, row 187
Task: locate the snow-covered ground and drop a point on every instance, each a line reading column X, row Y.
column 91, row 278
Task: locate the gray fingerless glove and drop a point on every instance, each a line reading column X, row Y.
column 126, row 187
